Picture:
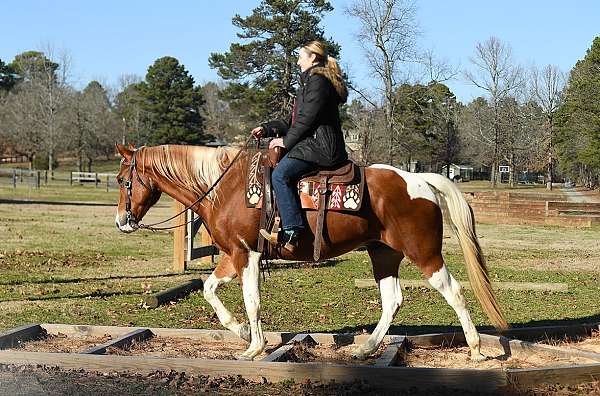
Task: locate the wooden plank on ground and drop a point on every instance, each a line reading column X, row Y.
column 164, row 296
column 512, row 347
column 438, row 339
column 121, row 342
column 546, row 332
column 389, row 357
column 518, row 286
column 12, row 337
column 281, row 353
column 273, row 338
column 389, row 378
column 565, row 375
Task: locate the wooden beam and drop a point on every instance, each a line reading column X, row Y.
column 388, row 378
column 121, row 342
column 162, row 297
column 281, row 354
column 13, row 337
column 512, row 347
column 565, row 375
column 179, row 238
column 273, row 338
column 545, row 332
column 389, row 357
column 515, row 286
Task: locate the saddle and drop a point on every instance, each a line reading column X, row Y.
column 338, row 189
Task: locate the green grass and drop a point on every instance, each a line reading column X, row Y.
column 69, row 264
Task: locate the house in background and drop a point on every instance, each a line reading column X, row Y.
column 459, row 172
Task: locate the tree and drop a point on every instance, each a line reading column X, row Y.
column 499, row 78
column 260, row 71
column 45, row 82
column 128, row 108
column 387, row 34
column 221, row 121
column 578, row 120
column 8, row 77
column 172, row 103
column 547, row 87
column 364, row 133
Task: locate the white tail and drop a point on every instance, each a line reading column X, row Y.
column 461, row 216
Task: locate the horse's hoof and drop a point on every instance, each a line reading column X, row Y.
column 478, row 357
column 245, row 332
column 359, row 354
column 244, row 358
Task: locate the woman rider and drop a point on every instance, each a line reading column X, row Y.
column 312, row 137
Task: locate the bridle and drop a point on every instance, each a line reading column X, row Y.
column 129, row 187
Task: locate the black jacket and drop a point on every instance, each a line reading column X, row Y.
column 315, row 134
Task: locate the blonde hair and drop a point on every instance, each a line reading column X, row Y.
column 318, row 48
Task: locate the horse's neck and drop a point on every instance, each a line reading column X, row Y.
column 209, row 206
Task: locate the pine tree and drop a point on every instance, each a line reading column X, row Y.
column 173, row 104
column 578, row 120
column 262, row 69
column 7, row 77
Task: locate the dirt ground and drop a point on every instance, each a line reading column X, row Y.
column 496, row 359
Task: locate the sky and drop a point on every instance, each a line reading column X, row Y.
column 109, row 38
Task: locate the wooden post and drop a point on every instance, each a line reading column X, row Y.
column 106, row 183
column 37, row 180
column 96, row 179
column 179, row 239
column 71, row 178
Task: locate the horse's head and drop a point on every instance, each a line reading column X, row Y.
column 137, row 191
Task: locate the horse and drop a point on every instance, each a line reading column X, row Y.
column 400, row 217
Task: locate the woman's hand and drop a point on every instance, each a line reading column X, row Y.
column 258, row 132
column 278, row 142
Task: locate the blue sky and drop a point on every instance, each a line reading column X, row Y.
column 109, row 38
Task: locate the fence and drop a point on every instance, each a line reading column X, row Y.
column 106, row 179
column 32, row 177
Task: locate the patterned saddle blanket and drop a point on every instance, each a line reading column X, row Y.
column 343, row 187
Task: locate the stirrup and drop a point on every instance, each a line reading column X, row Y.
column 278, row 239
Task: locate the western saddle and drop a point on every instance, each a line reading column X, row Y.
column 343, row 186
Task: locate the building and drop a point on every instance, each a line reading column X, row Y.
column 459, row 172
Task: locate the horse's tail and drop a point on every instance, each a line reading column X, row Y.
column 463, row 221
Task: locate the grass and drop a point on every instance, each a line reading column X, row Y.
column 68, row 264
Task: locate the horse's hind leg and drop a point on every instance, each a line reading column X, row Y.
column 386, row 262
column 441, row 279
column 223, row 273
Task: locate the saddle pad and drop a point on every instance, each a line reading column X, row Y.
column 340, row 197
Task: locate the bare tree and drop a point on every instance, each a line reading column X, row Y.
column 496, row 74
column 547, row 87
column 45, row 83
column 19, row 127
column 388, row 30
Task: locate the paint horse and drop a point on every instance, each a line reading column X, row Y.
column 400, row 217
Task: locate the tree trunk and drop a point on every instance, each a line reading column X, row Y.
column 51, row 163
column 89, row 164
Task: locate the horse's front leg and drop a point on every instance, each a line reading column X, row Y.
column 250, row 280
column 223, row 273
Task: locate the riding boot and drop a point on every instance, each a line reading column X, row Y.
column 286, row 238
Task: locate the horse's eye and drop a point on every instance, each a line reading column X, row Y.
column 119, row 180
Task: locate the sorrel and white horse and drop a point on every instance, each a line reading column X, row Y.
column 401, row 217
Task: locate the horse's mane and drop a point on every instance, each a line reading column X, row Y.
column 189, row 167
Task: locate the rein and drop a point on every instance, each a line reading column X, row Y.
column 128, row 186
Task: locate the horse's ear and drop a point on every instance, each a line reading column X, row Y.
column 131, row 147
column 125, row 152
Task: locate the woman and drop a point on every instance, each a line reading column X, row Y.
column 313, row 137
